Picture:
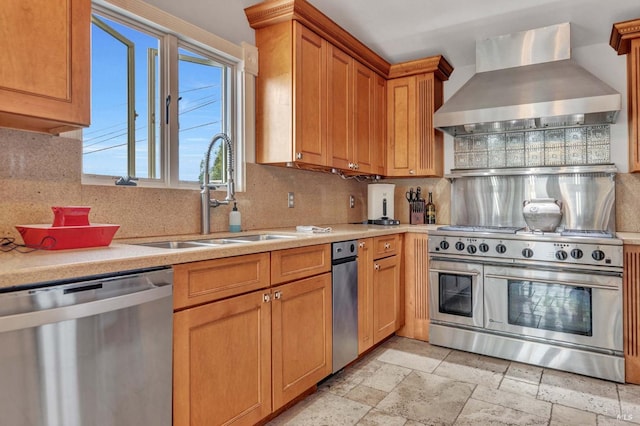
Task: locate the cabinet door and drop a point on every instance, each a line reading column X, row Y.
column 386, row 297
column 222, row 362
column 429, row 151
column 301, row 327
column 310, row 97
column 365, row 295
column 44, row 76
column 401, row 127
column 364, row 84
column 633, row 108
column 380, row 127
column 340, row 108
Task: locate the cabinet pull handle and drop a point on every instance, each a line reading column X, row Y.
column 387, row 245
column 266, row 298
column 412, row 172
column 376, row 266
column 299, row 156
column 277, row 295
column 361, row 245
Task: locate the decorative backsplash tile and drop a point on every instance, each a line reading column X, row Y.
column 549, row 147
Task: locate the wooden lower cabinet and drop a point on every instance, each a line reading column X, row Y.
column 631, row 313
column 239, row 359
column 222, row 362
column 386, row 297
column 301, row 336
column 416, row 285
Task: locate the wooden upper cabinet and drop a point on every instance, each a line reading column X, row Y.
column 351, row 106
column 45, row 68
column 379, row 126
column 322, row 98
column 414, row 146
column 625, row 39
column 340, row 108
column 291, row 96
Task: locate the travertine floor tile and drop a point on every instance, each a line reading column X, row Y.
column 427, row 398
column 513, row 400
column 344, row 381
column 473, row 368
column 516, row 386
column 366, row 395
column 629, row 402
column 324, row 408
column 567, row 416
column 409, row 360
column 386, row 377
column 524, row 373
column 378, row 418
column 483, row 413
column 583, row 393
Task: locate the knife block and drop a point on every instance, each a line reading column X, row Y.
column 417, row 211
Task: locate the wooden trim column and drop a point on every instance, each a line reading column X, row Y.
column 631, row 313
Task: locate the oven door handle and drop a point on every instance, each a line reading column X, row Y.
column 573, row 283
column 442, row 271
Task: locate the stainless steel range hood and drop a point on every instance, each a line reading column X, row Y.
column 527, row 80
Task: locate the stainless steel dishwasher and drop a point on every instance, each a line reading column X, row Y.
column 95, row 352
column 345, row 303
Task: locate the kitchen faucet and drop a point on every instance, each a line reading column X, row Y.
column 206, row 203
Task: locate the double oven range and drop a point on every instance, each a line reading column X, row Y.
column 549, row 299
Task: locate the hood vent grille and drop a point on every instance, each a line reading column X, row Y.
column 527, row 81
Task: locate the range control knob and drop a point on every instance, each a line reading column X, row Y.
column 501, row 248
column 561, row 255
column 597, row 255
column 459, row 246
column 444, row 245
column 576, row 253
column 484, row 247
column 527, row 252
column 471, row 249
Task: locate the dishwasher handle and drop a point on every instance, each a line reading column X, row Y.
column 37, row 318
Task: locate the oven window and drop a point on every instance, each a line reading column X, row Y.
column 455, row 294
column 554, row 307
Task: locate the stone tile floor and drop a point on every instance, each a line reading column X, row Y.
column 411, row 383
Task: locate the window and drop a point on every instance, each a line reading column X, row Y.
column 157, row 99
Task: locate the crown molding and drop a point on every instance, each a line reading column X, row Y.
column 622, row 33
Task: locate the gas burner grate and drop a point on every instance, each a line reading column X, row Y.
column 586, row 233
column 487, row 229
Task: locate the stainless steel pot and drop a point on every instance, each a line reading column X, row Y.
column 542, row 214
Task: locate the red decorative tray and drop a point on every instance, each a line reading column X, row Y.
column 49, row 237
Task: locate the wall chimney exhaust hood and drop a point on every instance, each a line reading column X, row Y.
column 527, row 80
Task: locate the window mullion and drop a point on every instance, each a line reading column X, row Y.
column 171, row 125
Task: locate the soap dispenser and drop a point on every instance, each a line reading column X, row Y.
column 235, row 219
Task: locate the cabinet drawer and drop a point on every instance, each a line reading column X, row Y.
column 301, row 262
column 201, row 282
column 385, row 246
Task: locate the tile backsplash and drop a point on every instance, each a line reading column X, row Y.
column 534, row 148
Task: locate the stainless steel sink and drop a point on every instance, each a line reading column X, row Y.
column 215, row 241
column 176, row 244
column 259, row 237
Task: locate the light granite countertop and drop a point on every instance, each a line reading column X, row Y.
column 18, row 269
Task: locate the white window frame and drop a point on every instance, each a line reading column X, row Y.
column 243, row 61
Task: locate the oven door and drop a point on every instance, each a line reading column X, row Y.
column 455, row 292
column 578, row 308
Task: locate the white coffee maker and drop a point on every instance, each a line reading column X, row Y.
column 380, row 204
